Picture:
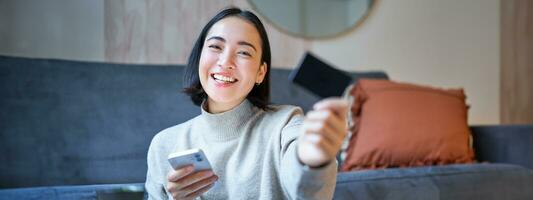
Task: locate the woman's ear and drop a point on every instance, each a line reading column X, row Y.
column 261, row 73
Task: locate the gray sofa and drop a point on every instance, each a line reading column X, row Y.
column 81, row 130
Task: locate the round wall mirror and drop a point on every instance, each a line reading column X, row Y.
column 313, row 18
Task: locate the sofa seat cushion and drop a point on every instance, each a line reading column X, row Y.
column 458, row 181
column 76, row 192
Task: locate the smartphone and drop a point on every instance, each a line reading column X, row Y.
column 194, row 157
column 319, row 77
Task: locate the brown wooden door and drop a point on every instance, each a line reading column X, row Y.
column 516, row 88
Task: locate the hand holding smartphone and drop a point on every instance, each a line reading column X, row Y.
column 192, row 175
column 194, row 157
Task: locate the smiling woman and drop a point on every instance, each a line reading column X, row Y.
column 230, row 45
column 256, row 150
column 225, row 45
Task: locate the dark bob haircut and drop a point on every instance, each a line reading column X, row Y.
column 260, row 94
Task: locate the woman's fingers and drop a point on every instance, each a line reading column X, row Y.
column 337, row 105
column 194, row 188
column 180, row 173
column 188, row 183
column 327, row 148
column 200, row 191
column 325, row 120
column 193, row 178
column 332, row 135
column 314, row 151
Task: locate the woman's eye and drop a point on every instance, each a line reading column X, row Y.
column 245, row 53
column 216, row 47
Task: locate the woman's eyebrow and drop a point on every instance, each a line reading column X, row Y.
column 240, row 42
column 247, row 44
column 217, row 38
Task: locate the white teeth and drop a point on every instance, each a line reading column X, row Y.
column 223, row 78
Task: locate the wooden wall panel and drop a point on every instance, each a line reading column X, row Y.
column 516, row 62
column 163, row 32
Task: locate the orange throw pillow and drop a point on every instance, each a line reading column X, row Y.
column 401, row 125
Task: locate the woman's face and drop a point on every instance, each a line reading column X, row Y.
column 230, row 63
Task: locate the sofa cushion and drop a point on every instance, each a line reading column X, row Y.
column 457, row 181
column 511, row 144
column 131, row 191
column 399, row 124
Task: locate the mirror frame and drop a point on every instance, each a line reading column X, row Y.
column 343, row 32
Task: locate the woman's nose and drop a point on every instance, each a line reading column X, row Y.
column 225, row 60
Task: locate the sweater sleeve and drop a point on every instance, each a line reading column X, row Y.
column 298, row 180
column 154, row 186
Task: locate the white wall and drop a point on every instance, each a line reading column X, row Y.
column 69, row 29
column 445, row 43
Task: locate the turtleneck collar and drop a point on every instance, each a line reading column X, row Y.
column 226, row 125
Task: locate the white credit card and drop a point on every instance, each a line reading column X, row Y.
column 194, row 157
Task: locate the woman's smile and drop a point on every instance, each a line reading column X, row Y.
column 223, row 79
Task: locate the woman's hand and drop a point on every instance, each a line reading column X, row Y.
column 184, row 184
column 324, row 129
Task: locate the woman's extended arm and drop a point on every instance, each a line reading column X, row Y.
column 309, row 168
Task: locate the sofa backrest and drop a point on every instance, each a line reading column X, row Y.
column 70, row 122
